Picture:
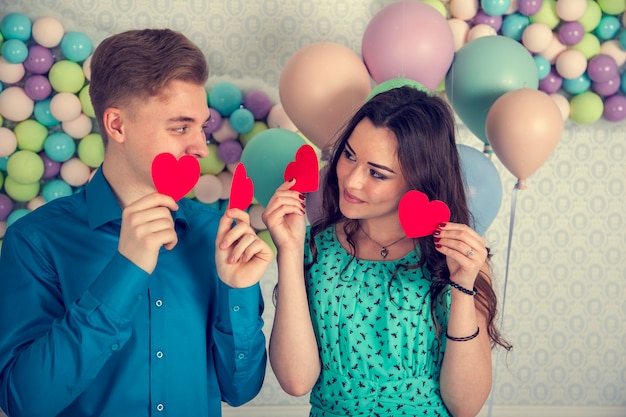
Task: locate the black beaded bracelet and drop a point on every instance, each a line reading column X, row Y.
column 462, row 289
column 463, row 339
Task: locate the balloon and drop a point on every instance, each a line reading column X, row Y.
column 266, row 156
column 482, row 71
column 321, row 87
column 408, row 39
column 523, row 127
column 395, row 83
column 483, row 187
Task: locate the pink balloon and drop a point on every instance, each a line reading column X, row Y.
column 408, row 39
column 524, row 127
column 321, row 87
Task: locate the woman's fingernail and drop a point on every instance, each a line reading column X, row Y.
column 442, row 225
column 302, row 196
column 437, row 232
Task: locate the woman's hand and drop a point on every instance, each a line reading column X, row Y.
column 284, row 217
column 465, row 252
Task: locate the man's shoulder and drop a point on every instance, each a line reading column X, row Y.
column 57, row 211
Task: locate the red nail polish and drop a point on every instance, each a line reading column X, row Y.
column 303, row 205
column 438, row 246
column 442, row 225
column 437, row 239
column 302, row 196
column 437, row 232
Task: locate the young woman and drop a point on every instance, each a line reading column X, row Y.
column 375, row 323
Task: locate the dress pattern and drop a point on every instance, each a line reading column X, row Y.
column 376, row 336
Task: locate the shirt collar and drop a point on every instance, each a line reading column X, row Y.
column 103, row 207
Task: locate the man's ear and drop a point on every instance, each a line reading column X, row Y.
column 113, row 123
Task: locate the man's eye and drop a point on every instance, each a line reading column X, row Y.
column 181, row 129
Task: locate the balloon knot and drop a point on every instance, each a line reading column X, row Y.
column 520, row 185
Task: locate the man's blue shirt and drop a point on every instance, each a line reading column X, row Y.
column 85, row 332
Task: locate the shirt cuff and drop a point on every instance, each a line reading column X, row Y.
column 242, row 306
column 121, row 285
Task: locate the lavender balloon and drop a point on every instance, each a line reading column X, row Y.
column 6, row 206
column 529, row 7
column 482, row 18
column 570, row 33
column 615, row 108
column 214, row 122
column 39, row 59
column 607, row 88
column 551, row 83
column 602, row 68
column 37, row 87
column 50, row 168
column 258, row 103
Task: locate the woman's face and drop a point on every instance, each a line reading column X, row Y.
column 370, row 181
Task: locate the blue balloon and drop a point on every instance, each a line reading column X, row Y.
column 225, row 98
column 483, row 187
column 577, row 85
column 76, row 46
column 513, row 26
column 266, row 156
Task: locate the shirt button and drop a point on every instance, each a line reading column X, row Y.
column 160, row 407
column 236, row 308
column 115, row 346
column 158, row 303
column 241, row 356
column 159, row 354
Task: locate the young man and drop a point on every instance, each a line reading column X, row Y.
column 117, row 300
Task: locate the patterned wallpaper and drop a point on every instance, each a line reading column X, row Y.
column 565, row 304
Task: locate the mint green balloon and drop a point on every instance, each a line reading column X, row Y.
column 590, row 19
column 21, row 192
column 90, row 150
column 30, row 135
column 547, row 14
column 211, row 164
column 395, row 83
column 25, row 167
column 66, row 76
column 589, row 45
column 266, row 156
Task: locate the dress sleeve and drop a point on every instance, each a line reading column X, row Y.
column 50, row 351
column 239, row 343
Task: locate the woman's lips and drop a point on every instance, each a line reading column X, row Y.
column 350, row 198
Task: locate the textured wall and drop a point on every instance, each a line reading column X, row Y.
column 566, row 295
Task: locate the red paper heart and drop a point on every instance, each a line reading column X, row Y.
column 241, row 189
column 304, row 169
column 175, row 177
column 420, row 217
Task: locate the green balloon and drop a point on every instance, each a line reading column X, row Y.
column 25, row 167
column 90, row 150
column 66, row 76
column 85, row 102
column 257, row 128
column 211, row 164
column 586, row 108
column 612, row 6
column 267, row 238
column 21, row 192
column 592, row 16
column 1, row 179
column 547, row 14
column 395, row 83
column 31, row 135
column 266, row 156
column 589, row 45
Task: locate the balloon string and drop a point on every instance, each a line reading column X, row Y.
column 518, row 186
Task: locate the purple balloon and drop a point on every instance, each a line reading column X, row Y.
column 229, row 151
column 37, row 87
column 258, row 103
column 50, row 168
column 6, row 207
column 607, row 88
column 529, row 7
column 214, row 122
column 602, row 68
column 482, row 18
column 551, row 83
column 39, row 59
column 570, row 33
column 615, row 108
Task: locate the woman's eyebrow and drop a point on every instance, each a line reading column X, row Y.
column 383, row 167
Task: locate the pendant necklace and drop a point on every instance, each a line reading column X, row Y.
column 384, row 249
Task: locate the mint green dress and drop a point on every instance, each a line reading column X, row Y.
column 376, row 336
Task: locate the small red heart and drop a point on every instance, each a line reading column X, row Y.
column 304, row 169
column 241, row 189
column 418, row 216
column 175, row 177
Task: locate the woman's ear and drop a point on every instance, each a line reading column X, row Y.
column 113, row 123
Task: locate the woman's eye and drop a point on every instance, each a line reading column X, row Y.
column 377, row 175
column 348, row 155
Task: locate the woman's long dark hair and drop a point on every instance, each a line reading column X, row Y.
column 425, row 130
